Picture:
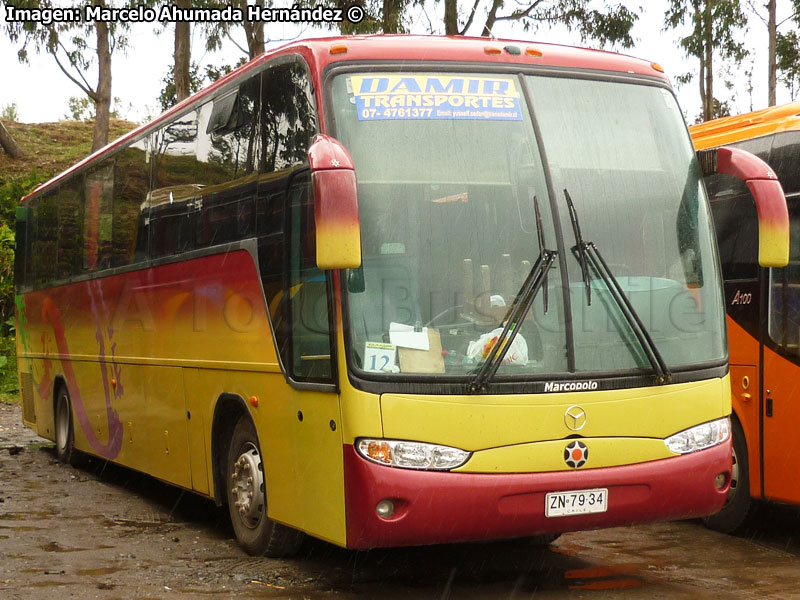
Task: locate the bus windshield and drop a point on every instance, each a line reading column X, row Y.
column 463, row 182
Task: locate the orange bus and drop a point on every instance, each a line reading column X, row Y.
column 394, row 291
column 762, row 306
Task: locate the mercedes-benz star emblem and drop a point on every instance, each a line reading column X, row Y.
column 575, row 418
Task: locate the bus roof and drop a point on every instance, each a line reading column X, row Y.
column 322, row 52
column 747, row 126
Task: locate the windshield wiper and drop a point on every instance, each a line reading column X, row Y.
column 588, row 250
column 537, row 277
column 540, row 235
column 580, row 248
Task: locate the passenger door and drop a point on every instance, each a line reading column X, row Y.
column 781, row 368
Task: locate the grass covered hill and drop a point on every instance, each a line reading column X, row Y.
column 52, row 147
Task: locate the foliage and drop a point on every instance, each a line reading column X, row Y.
column 611, row 26
column 788, row 61
column 214, row 33
column 11, row 190
column 8, row 369
column 9, row 112
column 214, row 72
column 714, row 25
column 721, row 109
column 6, row 277
column 608, row 24
column 80, row 109
column 168, row 97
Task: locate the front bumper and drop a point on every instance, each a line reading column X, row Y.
column 433, row 507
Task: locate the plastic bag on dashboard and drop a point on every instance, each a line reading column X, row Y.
column 481, row 348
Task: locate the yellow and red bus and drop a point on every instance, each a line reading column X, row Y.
column 393, row 291
column 762, row 305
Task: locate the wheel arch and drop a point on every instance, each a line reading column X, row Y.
column 228, row 409
column 59, row 381
column 751, row 441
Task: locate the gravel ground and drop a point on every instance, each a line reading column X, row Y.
column 108, row 532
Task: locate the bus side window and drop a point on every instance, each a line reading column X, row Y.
column 179, row 169
column 306, row 292
column 44, row 239
column 228, row 198
column 296, row 291
column 70, row 229
column 131, row 185
column 98, row 194
column 21, row 250
column 784, row 290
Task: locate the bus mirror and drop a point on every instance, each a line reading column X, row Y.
column 773, row 216
column 333, row 179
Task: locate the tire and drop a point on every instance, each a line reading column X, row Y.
column 65, row 432
column 247, row 503
column 739, row 506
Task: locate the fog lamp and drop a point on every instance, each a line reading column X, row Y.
column 385, row 509
column 720, row 481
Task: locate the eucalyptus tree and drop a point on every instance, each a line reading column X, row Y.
column 714, row 25
column 70, row 45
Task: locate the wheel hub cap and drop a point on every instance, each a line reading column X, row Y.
column 247, row 485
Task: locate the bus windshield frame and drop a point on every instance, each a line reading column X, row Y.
column 538, row 177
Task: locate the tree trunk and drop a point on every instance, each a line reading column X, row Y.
column 103, row 100
column 182, row 54
column 772, row 73
column 708, row 61
column 451, row 17
column 254, row 32
column 8, row 143
column 391, row 16
column 491, row 18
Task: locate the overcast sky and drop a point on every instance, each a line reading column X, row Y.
column 41, row 91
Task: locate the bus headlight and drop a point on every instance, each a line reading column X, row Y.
column 411, row 455
column 700, row 437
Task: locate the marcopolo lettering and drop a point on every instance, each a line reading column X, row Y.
column 570, row 386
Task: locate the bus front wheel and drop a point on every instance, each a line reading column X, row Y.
column 247, row 500
column 65, row 433
column 739, row 504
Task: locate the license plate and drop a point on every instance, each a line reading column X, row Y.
column 578, row 502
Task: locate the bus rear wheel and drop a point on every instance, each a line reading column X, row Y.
column 65, row 432
column 247, row 500
column 738, row 507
